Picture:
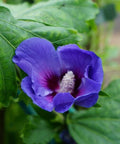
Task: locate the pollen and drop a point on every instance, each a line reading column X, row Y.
column 67, row 83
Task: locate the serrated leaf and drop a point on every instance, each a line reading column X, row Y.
column 98, row 125
column 37, row 131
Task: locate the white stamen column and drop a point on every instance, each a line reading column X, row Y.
column 67, row 83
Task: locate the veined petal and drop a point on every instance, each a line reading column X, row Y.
column 39, row 56
column 45, row 83
column 87, row 101
column 62, row 102
column 43, row 102
column 74, row 59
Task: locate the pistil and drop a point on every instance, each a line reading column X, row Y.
column 67, row 83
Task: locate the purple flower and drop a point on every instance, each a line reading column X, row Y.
column 59, row 79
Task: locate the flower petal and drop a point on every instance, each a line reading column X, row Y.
column 95, row 71
column 87, row 101
column 73, row 58
column 39, row 55
column 62, row 102
column 43, row 102
column 87, row 87
column 38, row 86
column 24, row 65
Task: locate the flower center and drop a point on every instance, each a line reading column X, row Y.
column 67, row 83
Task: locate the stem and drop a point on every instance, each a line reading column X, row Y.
column 2, row 126
column 65, row 118
column 18, row 73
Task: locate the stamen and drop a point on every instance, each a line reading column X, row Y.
column 67, row 83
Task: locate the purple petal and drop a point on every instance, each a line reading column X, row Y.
column 73, row 58
column 87, row 100
column 87, row 87
column 43, row 102
column 24, row 65
column 26, row 87
column 95, row 71
column 62, row 102
column 38, row 86
column 38, row 55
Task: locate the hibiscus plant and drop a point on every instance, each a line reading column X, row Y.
column 52, row 69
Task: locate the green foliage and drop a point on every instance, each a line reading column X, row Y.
column 36, row 1
column 15, row 118
column 115, row 2
column 16, row 9
column 102, row 93
column 23, row 97
column 7, row 70
column 62, row 22
column 62, row 13
column 12, row 1
column 38, row 131
column 93, row 125
column 54, row 20
column 101, row 125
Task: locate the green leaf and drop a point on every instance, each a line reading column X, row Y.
column 98, row 125
column 37, row 131
column 15, row 118
column 62, row 13
column 57, row 35
column 97, row 105
column 41, row 21
column 7, row 72
column 114, row 90
column 102, row 93
column 23, row 97
column 8, row 86
column 12, row 2
column 8, row 29
column 16, row 31
column 16, row 9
